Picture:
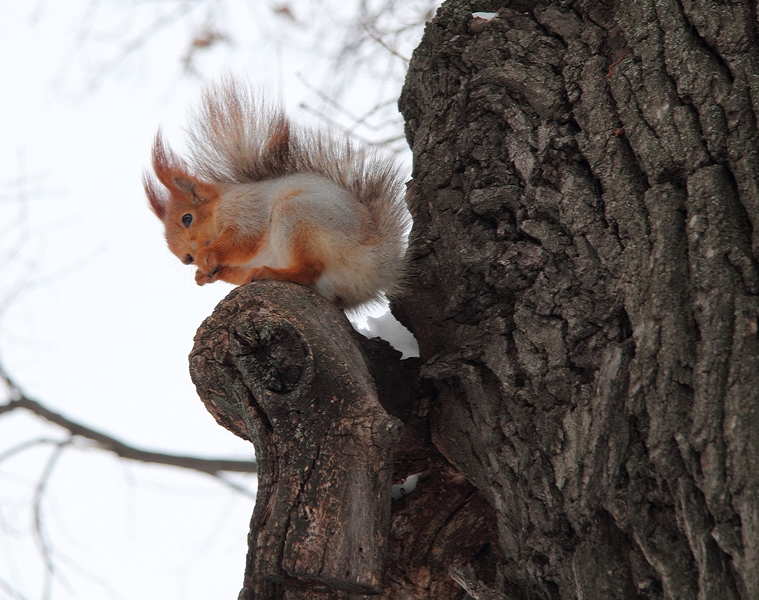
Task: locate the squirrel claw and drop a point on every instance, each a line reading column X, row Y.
column 203, row 278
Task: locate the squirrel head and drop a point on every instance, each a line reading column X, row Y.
column 184, row 203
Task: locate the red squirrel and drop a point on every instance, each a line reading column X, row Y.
column 260, row 198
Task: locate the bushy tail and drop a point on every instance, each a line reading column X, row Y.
column 236, row 137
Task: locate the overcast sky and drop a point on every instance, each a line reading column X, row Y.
column 97, row 315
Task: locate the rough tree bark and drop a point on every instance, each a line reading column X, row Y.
column 585, row 410
column 586, row 225
column 279, row 365
column 282, row 367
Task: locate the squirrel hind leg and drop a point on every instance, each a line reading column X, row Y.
column 305, row 273
column 304, row 268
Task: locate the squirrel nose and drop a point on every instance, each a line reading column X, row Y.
column 188, row 260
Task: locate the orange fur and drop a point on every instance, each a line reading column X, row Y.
column 302, row 273
column 174, row 175
column 228, row 249
column 156, row 199
column 235, row 275
column 261, row 199
column 304, row 268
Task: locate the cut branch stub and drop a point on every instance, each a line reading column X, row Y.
column 277, row 364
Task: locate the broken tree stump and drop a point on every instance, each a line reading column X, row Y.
column 278, row 365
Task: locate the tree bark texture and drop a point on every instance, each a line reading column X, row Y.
column 279, row 365
column 585, row 197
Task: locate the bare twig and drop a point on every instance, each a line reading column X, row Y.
column 378, row 38
column 214, row 467
column 17, row 449
column 51, row 558
column 131, row 46
column 39, row 533
column 11, row 591
column 348, row 131
column 356, row 120
column 89, row 576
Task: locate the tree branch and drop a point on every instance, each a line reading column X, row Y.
column 105, row 442
column 279, row 365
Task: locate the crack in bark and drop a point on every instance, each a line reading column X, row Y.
column 630, row 206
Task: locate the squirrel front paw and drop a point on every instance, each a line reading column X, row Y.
column 202, row 278
column 206, row 260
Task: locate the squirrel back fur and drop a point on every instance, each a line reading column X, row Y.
column 261, row 198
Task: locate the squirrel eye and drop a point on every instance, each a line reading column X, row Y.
column 187, row 219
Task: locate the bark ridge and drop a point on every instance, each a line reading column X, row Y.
column 585, row 198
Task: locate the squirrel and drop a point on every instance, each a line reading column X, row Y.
column 261, row 198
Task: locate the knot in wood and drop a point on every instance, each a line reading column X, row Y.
column 271, row 353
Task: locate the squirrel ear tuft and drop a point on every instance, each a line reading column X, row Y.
column 172, row 172
column 156, row 197
column 193, row 190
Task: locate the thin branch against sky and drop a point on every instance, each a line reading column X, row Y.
column 353, row 41
column 213, row 467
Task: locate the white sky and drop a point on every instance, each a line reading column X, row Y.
column 103, row 331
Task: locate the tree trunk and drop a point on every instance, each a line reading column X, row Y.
column 585, row 198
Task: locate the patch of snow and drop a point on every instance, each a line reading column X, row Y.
column 405, row 488
column 488, row 16
column 387, row 327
